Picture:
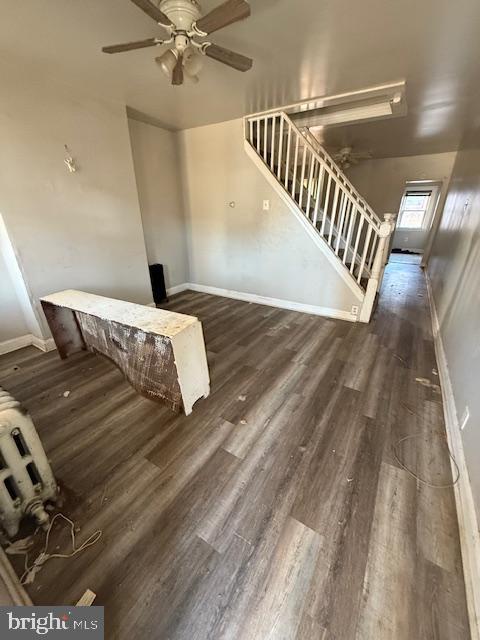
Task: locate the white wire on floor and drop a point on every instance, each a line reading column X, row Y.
column 31, row 570
column 416, row 476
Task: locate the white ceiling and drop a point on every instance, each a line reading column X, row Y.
column 301, row 49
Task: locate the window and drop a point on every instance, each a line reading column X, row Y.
column 414, row 209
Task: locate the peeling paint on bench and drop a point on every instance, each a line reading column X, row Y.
column 161, row 353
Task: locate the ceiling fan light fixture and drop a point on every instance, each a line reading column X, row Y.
column 167, row 62
column 192, row 62
column 192, row 77
column 184, row 22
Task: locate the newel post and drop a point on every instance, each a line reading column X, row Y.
column 375, row 280
column 389, row 218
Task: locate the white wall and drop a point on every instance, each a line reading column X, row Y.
column 157, row 170
column 382, row 183
column 246, row 249
column 20, row 305
column 79, row 230
column 454, row 270
column 12, row 322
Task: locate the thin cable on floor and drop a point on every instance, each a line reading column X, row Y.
column 409, row 409
column 30, row 571
column 400, row 359
column 416, row 476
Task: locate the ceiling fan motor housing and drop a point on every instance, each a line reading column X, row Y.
column 182, row 13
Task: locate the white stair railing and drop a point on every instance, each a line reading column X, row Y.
column 317, row 186
column 338, row 173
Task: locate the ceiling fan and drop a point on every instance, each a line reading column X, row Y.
column 187, row 29
column 346, row 156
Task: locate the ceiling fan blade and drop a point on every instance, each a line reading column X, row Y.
column 130, row 46
column 177, row 75
column 227, row 13
column 153, row 11
column 230, row 58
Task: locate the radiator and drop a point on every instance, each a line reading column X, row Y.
column 26, row 479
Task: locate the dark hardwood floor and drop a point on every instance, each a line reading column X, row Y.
column 277, row 510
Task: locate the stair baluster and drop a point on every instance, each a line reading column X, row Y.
column 312, row 181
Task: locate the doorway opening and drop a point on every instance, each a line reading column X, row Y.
column 20, row 324
column 415, row 218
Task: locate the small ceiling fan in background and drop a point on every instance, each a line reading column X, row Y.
column 187, row 29
column 346, row 156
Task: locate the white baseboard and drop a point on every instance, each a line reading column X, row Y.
column 44, row 345
column 338, row 314
column 15, row 343
column 178, row 289
column 26, row 341
column 466, row 514
column 172, row 291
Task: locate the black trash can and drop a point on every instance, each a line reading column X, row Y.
column 157, row 279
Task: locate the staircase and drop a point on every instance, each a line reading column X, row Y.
column 356, row 240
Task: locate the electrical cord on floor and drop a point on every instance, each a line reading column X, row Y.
column 417, row 477
column 30, row 571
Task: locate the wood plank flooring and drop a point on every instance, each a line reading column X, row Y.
column 277, row 510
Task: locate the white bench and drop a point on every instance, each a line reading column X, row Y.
column 161, row 353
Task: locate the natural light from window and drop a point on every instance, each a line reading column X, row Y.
column 414, row 209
